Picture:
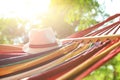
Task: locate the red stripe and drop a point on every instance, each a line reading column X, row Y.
column 86, row 31
column 43, row 46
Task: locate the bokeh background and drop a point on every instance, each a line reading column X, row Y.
column 18, row 17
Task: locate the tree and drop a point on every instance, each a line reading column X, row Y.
column 10, row 30
column 68, row 16
column 64, row 16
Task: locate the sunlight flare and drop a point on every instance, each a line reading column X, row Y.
column 23, row 8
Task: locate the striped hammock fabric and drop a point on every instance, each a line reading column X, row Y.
column 81, row 53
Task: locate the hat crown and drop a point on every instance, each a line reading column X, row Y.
column 41, row 40
column 41, row 37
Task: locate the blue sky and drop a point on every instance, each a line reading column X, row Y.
column 111, row 6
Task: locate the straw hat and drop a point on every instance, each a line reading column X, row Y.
column 41, row 40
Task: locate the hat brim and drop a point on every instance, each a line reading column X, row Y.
column 27, row 49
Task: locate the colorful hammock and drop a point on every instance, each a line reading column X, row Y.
column 81, row 53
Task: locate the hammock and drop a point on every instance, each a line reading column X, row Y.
column 81, row 53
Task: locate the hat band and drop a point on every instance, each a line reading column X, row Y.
column 43, row 46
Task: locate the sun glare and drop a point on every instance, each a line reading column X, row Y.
column 23, row 8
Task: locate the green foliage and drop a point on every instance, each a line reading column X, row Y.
column 78, row 13
column 9, row 30
column 64, row 16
